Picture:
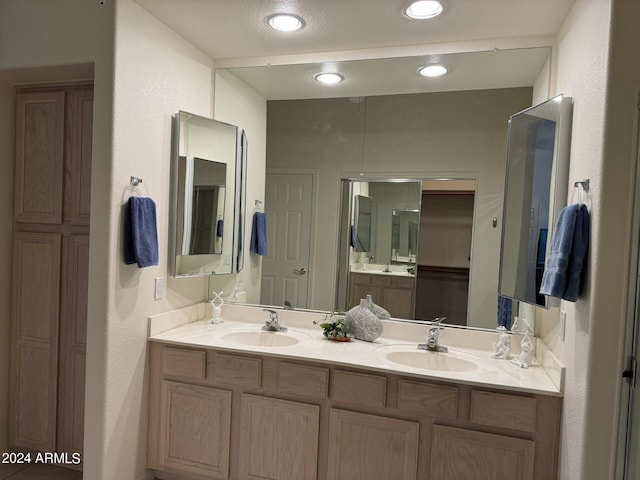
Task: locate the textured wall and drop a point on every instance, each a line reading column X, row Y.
column 239, row 105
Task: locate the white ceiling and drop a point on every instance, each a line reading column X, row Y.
column 234, row 32
column 226, row 29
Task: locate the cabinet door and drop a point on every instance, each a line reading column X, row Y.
column 358, row 292
column 459, row 454
column 77, row 178
column 39, row 156
column 398, row 302
column 278, row 439
column 73, row 338
column 195, row 426
column 34, row 347
column 371, row 447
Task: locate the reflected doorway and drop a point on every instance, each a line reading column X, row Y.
column 288, row 209
column 444, row 250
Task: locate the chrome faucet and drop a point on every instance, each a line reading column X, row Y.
column 433, row 342
column 272, row 324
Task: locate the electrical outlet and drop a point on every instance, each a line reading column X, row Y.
column 226, row 259
column 160, row 288
column 563, row 324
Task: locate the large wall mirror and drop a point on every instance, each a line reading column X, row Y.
column 386, row 123
column 206, row 183
column 537, row 169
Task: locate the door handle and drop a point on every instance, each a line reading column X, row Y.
column 299, row 271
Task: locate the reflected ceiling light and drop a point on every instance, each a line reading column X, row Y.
column 328, row 78
column 433, row 71
column 424, row 9
column 285, row 22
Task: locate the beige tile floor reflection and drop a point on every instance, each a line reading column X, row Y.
column 37, row 472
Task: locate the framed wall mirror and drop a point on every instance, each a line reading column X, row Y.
column 206, row 196
column 385, row 122
column 535, row 192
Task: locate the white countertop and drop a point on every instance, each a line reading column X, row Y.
column 179, row 328
column 375, row 269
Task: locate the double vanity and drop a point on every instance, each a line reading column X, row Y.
column 232, row 401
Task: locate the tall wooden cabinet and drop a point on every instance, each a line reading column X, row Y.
column 50, row 267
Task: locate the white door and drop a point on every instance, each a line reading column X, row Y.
column 285, row 269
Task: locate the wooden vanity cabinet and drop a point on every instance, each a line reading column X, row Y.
column 222, row 415
column 394, row 293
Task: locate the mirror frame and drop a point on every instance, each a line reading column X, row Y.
column 236, row 262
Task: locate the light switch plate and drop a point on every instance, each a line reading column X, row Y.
column 160, row 288
column 563, row 324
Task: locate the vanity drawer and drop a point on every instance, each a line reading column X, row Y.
column 381, row 280
column 303, row 380
column 361, row 278
column 403, row 282
column 428, row 399
column 504, row 411
column 237, row 370
column 178, row 362
column 359, row 388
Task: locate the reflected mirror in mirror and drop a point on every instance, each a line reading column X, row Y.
column 362, row 223
column 537, row 168
column 384, row 122
column 418, row 264
column 404, row 235
column 202, row 183
column 206, row 191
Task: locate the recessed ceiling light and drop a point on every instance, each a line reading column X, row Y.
column 285, row 22
column 424, row 9
column 433, row 71
column 329, row 78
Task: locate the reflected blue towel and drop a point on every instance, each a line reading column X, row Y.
column 140, row 232
column 219, row 228
column 569, row 243
column 258, row 242
column 504, row 312
column 352, row 236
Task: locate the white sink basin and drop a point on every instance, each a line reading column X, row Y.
column 410, row 356
column 260, row 338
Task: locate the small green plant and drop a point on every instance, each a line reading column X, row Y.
column 334, row 327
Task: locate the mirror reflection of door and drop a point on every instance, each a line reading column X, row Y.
column 207, row 224
column 288, row 208
column 446, row 227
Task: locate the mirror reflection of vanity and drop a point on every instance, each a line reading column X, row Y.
column 452, row 128
column 206, row 196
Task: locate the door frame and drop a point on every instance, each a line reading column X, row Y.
column 631, row 341
column 314, row 172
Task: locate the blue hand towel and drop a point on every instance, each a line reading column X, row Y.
column 129, row 253
column 219, row 228
column 141, row 235
column 568, row 247
column 578, row 253
column 258, row 242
